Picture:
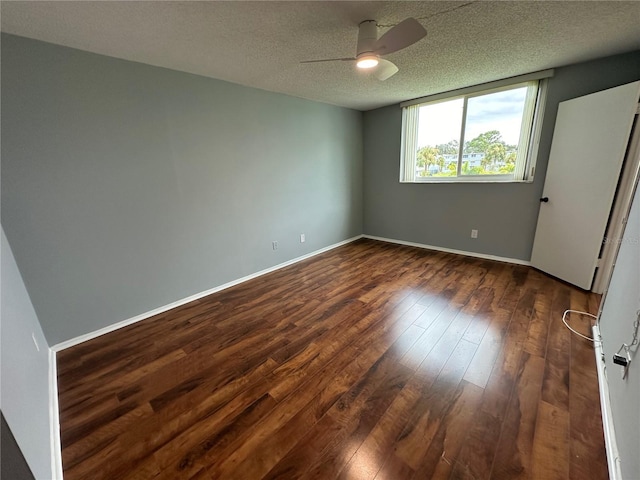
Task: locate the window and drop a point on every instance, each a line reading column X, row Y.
column 477, row 134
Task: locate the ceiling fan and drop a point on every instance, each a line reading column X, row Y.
column 370, row 48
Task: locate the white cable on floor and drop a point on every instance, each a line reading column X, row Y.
column 566, row 324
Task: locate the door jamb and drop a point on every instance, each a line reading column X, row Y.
column 620, row 210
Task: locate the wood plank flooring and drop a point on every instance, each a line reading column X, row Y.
column 371, row 361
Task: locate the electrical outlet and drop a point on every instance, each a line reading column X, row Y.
column 274, row 244
column 302, row 238
column 474, row 233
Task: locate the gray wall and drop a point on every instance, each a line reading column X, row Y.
column 24, row 370
column 444, row 214
column 619, row 310
column 126, row 187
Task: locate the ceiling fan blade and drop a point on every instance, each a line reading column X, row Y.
column 385, row 69
column 405, row 33
column 330, row 60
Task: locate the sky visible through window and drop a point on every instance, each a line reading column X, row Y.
column 440, row 123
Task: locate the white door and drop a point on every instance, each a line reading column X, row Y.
column 588, row 147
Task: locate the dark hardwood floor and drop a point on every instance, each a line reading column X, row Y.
column 371, row 361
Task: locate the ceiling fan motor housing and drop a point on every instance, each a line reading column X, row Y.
column 367, row 37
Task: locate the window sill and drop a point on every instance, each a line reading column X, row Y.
column 468, row 180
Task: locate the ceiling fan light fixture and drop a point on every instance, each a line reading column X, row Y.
column 370, row 50
column 367, row 61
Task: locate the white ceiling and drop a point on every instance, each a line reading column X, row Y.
column 260, row 44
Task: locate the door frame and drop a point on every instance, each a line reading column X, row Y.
column 620, row 209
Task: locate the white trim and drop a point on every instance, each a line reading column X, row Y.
column 54, row 418
column 627, row 185
column 506, row 178
column 611, row 445
column 451, row 250
column 483, row 86
column 124, row 323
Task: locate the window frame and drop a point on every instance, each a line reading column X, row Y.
column 527, row 170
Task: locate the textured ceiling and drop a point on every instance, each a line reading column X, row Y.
column 260, row 44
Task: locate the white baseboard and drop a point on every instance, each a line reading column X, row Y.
column 611, row 445
column 54, row 419
column 124, row 323
column 451, row 250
